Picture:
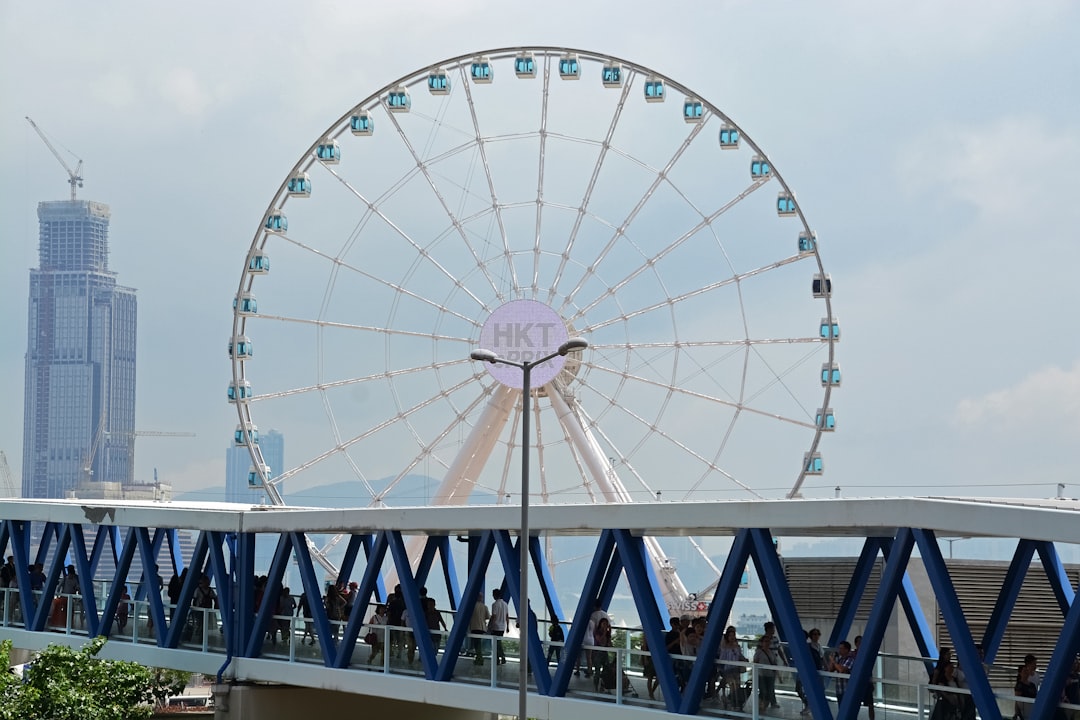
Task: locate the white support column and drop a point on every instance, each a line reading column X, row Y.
column 613, row 490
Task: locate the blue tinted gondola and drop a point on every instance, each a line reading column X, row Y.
column 481, row 71
column 829, row 329
column 300, row 185
column 438, row 82
column 729, row 137
column 328, row 152
column 693, row 110
column 807, row 243
column 276, row 222
column 362, row 124
column 245, row 304
column 525, row 66
column 825, row 419
column 254, row 479
column 258, row 262
column 241, row 391
column 759, row 168
column 240, row 347
column 830, row 374
column 813, row 464
column 569, row 67
column 822, row 286
column 785, row 204
column 654, row 90
column 612, row 75
column 398, row 100
column 245, row 432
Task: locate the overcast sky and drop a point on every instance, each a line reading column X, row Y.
column 935, row 148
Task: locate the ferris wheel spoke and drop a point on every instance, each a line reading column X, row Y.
column 667, row 250
column 506, row 466
column 582, row 211
column 491, row 183
column 669, row 302
column 366, row 328
column 624, row 461
column 540, row 177
column 341, row 446
column 420, row 251
column 385, row 375
column 425, row 169
column 690, row 452
column 684, row 392
column 397, row 288
column 660, row 178
column 427, row 449
column 778, row 378
column 627, row 346
column 587, row 483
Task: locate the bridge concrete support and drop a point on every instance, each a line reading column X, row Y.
column 286, row 702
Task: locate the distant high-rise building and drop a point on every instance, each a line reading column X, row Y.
column 79, row 417
column 238, row 465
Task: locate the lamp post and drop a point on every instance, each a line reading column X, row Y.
column 526, row 366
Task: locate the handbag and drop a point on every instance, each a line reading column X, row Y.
column 371, row 638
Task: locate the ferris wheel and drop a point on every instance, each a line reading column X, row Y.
column 507, row 201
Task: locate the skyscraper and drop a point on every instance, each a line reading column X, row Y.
column 79, row 413
column 238, row 464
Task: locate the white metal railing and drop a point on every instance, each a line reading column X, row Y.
column 202, row 631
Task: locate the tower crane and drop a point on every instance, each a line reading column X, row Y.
column 7, row 484
column 75, row 178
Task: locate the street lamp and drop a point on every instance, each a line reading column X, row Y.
column 526, row 366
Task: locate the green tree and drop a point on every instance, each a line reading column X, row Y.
column 67, row 684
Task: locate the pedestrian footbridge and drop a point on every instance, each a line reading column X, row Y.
column 436, row 674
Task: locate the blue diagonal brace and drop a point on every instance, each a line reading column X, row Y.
column 860, row 578
column 1006, row 600
column 547, row 582
column 1059, row 666
column 481, row 549
column 375, row 551
column 953, row 614
column 86, row 578
column 636, row 562
column 417, row 617
column 909, row 601
column 314, row 599
column 891, row 580
column 510, row 553
column 605, row 548
column 1055, row 573
column 270, row 597
column 223, row 581
column 782, row 606
column 123, row 565
column 52, row 578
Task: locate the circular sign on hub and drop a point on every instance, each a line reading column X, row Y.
column 524, row 331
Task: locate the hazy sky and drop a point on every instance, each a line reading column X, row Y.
column 935, row 148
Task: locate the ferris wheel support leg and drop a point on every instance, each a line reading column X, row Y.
column 673, row 589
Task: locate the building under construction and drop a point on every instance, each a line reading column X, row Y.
column 79, row 421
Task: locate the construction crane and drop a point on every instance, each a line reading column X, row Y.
column 7, row 484
column 75, row 178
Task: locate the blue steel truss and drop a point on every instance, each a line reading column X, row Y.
column 229, row 560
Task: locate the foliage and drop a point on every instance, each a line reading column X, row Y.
column 67, row 684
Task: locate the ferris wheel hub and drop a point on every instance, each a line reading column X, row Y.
column 522, row 331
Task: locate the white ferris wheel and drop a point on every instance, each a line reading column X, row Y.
column 511, row 199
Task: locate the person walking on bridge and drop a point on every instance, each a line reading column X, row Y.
column 478, row 625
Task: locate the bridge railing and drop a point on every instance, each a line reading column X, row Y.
column 389, row 653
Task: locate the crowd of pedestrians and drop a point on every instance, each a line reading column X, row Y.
column 391, row 634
